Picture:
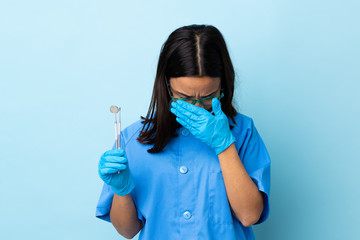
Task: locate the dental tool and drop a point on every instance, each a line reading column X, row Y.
column 114, row 109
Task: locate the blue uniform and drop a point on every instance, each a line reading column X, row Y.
column 180, row 192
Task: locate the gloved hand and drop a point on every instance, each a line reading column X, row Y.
column 213, row 130
column 110, row 162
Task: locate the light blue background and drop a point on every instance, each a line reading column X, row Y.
column 63, row 63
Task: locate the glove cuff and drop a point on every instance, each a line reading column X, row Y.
column 126, row 189
column 229, row 140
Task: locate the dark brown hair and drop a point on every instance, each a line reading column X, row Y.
column 194, row 50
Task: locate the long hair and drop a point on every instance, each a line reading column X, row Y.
column 194, row 50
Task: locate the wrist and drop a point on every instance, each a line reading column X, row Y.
column 226, row 143
column 123, row 191
column 125, row 187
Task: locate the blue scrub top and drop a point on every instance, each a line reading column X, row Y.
column 180, row 192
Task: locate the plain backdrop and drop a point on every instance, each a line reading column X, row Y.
column 63, row 63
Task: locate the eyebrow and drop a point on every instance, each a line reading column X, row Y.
column 194, row 96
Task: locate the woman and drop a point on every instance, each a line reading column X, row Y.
column 193, row 168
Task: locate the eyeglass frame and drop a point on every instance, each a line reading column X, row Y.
column 194, row 101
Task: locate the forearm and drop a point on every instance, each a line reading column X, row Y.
column 244, row 196
column 123, row 216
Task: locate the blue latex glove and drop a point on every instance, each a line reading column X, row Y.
column 110, row 162
column 213, row 130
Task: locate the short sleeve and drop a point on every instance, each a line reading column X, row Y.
column 256, row 161
column 105, row 201
column 106, row 197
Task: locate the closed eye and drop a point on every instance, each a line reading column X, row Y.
column 186, row 96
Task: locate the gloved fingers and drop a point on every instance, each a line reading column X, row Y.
column 187, row 125
column 216, row 106
column 114, row 165
column 177, row 110
column 114, row 152
column 184, row 117
column 192, row 108
column 182, row 122
column 189, row 121
column 114, row 159
column 105, row 171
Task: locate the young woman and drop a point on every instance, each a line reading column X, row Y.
column 194, row 167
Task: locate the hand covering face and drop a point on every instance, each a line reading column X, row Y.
column 210, row 129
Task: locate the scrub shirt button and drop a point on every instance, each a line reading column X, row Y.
column 187, row 215
column 183, row 169
column 185, row 132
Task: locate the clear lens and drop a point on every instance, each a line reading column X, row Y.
column 207, row 102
